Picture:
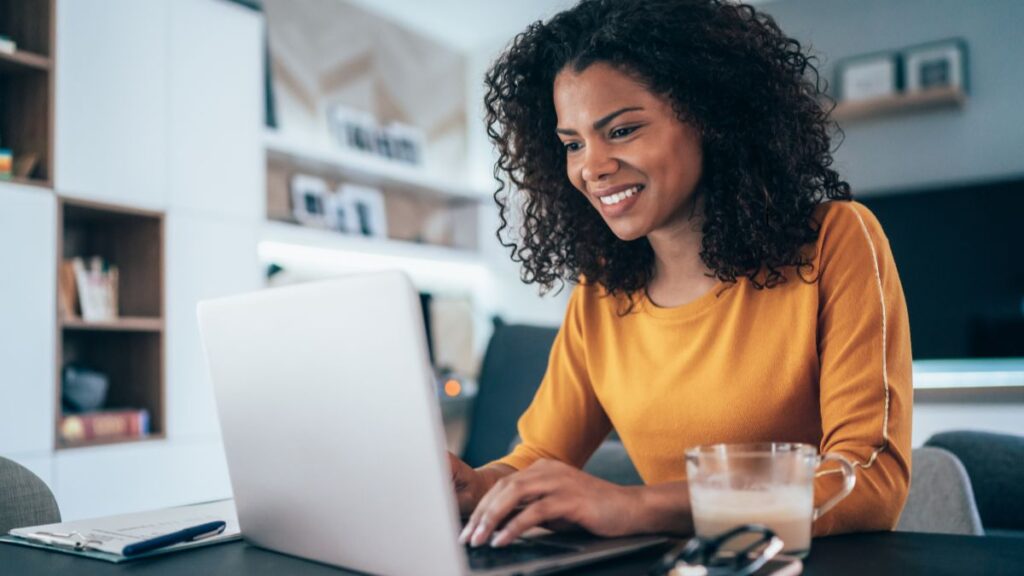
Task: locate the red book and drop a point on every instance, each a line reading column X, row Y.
column 104, row 425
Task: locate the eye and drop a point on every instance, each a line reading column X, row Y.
column 571, row 146
column 623, row 132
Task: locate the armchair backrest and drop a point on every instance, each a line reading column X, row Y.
column 513, row 366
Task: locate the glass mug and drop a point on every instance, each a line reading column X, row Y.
column 768, row 483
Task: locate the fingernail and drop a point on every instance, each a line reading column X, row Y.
column 464, row 535
column 499, row 539
column 478, row 536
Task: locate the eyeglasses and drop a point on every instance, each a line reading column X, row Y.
column 728, row 554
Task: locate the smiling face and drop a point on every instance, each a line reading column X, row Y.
column 626, row 150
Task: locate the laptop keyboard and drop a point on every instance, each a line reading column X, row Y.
column 485, row 557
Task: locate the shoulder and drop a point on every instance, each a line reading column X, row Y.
column 847, row 225
column 843, row 215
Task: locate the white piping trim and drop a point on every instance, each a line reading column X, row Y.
column 885, row 368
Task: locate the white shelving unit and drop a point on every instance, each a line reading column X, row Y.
column 367, row 169
column 313, row 252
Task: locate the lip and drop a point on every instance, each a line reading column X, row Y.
column 614, row 190
column 620, row 209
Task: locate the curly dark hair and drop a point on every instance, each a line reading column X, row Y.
column 728, row 70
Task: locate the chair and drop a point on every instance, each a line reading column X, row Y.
column 940, row 500
column 513, row 367
column 994, row 465
column 25, row 500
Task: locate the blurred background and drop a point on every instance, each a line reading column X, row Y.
column 154, row 153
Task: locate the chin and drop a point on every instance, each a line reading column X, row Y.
column 628, row 234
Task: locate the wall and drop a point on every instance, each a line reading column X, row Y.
column 932, row 149
column 982, row 141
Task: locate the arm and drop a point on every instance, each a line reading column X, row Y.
column 565, row 421
column 865, row 381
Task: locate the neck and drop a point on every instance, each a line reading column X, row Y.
column 677, row 249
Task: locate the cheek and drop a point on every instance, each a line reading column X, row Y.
column 575, row 176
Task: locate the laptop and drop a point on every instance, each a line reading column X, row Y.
column 333, row 434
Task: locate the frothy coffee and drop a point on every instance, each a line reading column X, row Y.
column 786, row 510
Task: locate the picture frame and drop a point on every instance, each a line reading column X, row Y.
column 868, row 77
column 341, row 213
column 405, row 143
column 367, row 209
column 309, row 200
column 941, row 64
column 353, row 129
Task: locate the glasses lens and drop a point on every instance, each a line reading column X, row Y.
column 743, row 550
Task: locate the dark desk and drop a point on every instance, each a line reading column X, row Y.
column 878, row 554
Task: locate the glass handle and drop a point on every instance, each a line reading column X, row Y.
column 849, row 481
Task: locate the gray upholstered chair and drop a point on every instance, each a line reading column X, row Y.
column 25, row 500
column 941, row 499
column 993, row 463
column 612, row 463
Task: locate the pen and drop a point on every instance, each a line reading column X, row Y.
column 186, row 535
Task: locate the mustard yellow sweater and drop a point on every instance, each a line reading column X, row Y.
column 827, row 363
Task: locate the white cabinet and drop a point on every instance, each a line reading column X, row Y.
column 216, row 109
column 116, row 479
column 28, row 236
column 111, row 101
column 207, row 257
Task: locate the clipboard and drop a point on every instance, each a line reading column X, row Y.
column 105, row 538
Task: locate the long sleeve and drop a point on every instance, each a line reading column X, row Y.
column 565, row 421
column 865, row 381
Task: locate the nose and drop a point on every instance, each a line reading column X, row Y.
column 598, row 163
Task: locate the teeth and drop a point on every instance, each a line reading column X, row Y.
column 613, row 199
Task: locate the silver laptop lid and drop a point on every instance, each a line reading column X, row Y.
column 330, row 424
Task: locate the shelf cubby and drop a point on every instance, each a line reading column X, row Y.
column 26, row 87
column 128, row 349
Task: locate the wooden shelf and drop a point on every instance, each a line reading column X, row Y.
column 22, row 61
column 900, row 103
column 368, row 169
column 108, row 441
column 48, row 184
column 128, row 350
column 123, row 324
column 26, row 88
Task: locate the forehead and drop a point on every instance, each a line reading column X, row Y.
column 597, row 90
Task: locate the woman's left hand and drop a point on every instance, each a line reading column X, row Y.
column 552, row 494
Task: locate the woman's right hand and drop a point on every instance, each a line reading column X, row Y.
column 471, row 484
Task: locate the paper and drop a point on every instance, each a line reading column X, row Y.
column 112, row 533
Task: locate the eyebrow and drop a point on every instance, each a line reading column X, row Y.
column 602, row 122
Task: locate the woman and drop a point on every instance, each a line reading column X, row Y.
column 673, row 157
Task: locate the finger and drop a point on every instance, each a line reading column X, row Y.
column 548, row 509
column 504, row 501
column 486, row 501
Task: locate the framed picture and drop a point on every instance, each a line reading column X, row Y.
column 367, row 206
column 309, row 200
column 936, row 65
column 404, row 143
column 353, row 129
column 869, row 76
column 341, row 214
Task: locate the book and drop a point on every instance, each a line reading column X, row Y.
column 67, row 294
column 107, row 424
column 97, row 289
column 106, row 538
